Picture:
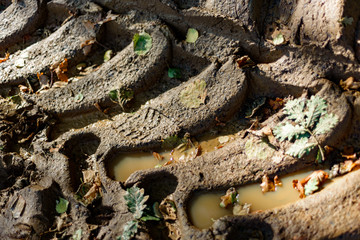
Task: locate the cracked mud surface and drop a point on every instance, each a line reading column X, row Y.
column 50, row 138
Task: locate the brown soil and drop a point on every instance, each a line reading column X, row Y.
column 51, row 135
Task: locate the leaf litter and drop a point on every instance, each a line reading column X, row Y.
column 194, row 94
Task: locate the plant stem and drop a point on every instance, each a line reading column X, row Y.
column 317, row 142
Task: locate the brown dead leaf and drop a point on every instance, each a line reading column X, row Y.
column 350, row 84
column 168, row 209
column 7, row 55
column 276, row 104
column 23, row 88
column 320, row 175
column 267, row 185
column 109, row 17
column 60, row 70
column 229, row 198
column 277, row 181
column 244, row 61
column 157, row 156
column 299, row 187
column 349, row 157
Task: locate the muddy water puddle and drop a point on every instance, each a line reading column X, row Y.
column 204, row 208
column 124, row 164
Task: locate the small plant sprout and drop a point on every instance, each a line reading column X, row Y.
column 306, row 118
column 121, row 96
column 136, row 203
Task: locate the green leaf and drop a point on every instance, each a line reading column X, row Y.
column 311, row 186
column 149, row 218
column 300, row 147
column 316, row 107
column 135, row 200
column 295, row 109
column 174, row 73
column 108, row 55
column 326, row 123
column 319, row 158
column 279, row 39
column 130, row 229
column 346, row 21
column 194, row 94
column 142, row 43
column 192, row 35
column 113, row 94
column 61, row 205
column 77, row 235
column 79, row 97
column 288, row 131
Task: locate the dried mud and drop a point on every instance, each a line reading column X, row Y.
column 49, row 138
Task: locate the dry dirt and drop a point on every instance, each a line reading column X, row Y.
column 50, row 136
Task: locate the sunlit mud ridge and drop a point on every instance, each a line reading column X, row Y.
column 76, row 91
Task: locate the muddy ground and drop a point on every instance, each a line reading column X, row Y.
column 58, row 122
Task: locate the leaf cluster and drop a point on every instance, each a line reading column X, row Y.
column 309, row 117
column 136, row 203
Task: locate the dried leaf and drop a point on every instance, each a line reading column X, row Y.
column 194, row 94
column 315, row 180
column 192, row 35
column 228, row 198
column 244, row 61
column 266, row 184
column 157, row 156
column 241, row 209
column 61, row 69
column 7, row 55
column 277, row 181
column 168, row 209
column 109, row 17
column 276, row 104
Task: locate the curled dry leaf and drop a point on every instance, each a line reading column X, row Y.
column 229, row 198
column 157, row 156
column 168, row 209
column 241, row 209
column 350, row 84
column 277, row 181
column 60, row 70
column 7, row 55
column 244, row 61
column 311, row 183
column 276, row 104
column 267, row 185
